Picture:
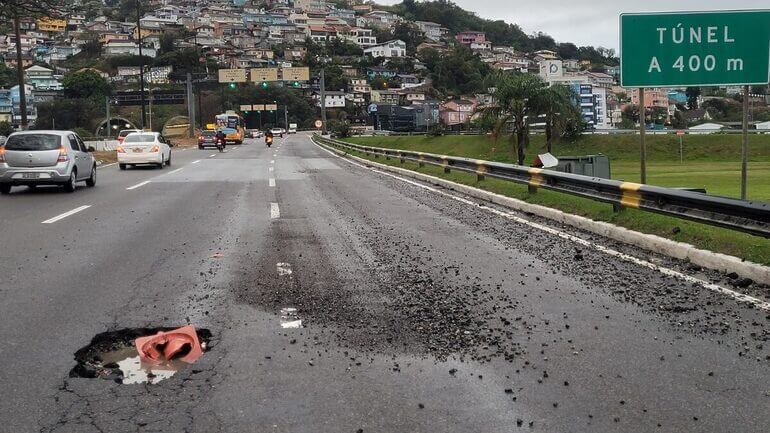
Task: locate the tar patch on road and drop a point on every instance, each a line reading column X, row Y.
column 113, row 356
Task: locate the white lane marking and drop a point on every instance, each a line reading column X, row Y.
column 283, row 268
column 270, row 169
column 195, row 162
column 272, row 161
column 290, row 319
column 271, row 182
column 182, row 150
column 175, row 171
column 738, row 296
column 66, row 214
column 106, row 165
column 138, row 185
column 275, row 211
column 212, row 155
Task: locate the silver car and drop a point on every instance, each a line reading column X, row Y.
column 34, row 158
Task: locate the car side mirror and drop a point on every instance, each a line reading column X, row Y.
column 91, row 149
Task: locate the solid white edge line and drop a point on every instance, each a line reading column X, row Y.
column 176, row 171
column 271, row 182
column 275, row 211
column 106, row 165
column 66, row 214
column 138, row 185
column 741, row 297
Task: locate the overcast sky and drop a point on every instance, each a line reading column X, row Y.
column 585, row 22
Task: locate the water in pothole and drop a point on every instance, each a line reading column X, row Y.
column 135, row 371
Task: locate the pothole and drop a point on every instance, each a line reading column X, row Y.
column 113, row 356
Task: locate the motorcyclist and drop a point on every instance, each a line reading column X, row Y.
column 220, row 136
column 268, row 137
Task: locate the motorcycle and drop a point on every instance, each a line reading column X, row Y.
column 268, row 141
column 221, row 145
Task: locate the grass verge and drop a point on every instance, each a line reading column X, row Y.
column 744, row 246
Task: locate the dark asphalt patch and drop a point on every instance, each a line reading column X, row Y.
column 99, row 359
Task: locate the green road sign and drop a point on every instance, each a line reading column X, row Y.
column 695, row 48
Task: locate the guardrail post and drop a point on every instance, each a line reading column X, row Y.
column 531, row 189
column 401, row 156
column 535, row 180
column 616, row 207
column 420, row 162
column 481, row 170
column 445, row 164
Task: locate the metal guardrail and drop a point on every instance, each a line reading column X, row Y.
column 746, row 216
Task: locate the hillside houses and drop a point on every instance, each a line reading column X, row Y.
column 251, row 34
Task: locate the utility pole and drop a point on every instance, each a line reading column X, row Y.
column 190, row 105
column 20, row 75
column 286, row 117
column 323, row 103
column 745, row 141
column 642, row 149
column 141, row 56
column 109, row 119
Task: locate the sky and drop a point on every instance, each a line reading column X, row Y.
column 585, row 22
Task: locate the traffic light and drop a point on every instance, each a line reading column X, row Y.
column 264, row 84
column 296, row 84
column 232, row 85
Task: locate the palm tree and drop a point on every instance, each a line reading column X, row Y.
column 515, row 96
column 556, row 104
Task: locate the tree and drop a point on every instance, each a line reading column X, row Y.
column 692, row 93
column 86, row 84
column 8, row 76
column 516, row 103
column 6, row 129
column 15, row 10
column 567, row 50
column 556, row 104
column 410, row 34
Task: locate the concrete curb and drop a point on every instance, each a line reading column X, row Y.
column 679, row 250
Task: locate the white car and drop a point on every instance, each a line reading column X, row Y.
column 277, row 132
column 144, row 148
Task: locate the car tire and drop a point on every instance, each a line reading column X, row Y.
column 122, row 166
column 91, row 181
column 70, row 186
column 200, row 147
column 5, row 189
column 168, row 163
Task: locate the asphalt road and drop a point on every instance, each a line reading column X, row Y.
column 421, row 312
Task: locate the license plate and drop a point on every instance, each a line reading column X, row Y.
column 137, row 150
column 30, row 175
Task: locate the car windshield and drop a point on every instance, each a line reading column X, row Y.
column 208, row 133
column 27, row 142
column 140, row 138
column 124, row 133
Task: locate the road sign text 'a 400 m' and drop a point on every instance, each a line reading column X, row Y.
column 695, row 48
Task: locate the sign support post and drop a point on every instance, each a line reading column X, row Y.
column 745, row 141
column 642, row 125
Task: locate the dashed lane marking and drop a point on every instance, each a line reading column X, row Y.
column 66, row 214
column 275, row 211
column 283, row 268
column 175, row 171
column 741, row 297
column 138, row 185
column 212, row 155
column 195, row 162
column 271, row 182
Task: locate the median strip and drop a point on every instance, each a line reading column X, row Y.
column 66, row 214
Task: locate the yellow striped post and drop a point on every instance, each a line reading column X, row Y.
column 535, row 179
column 481, row 170
column 631, row 197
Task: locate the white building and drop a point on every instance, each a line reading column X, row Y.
column 431, row 30
column 122, row 48
column 394, row 48
column 333, row 99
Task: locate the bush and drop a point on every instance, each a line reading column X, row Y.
column 340, row 129
column 6, row 129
